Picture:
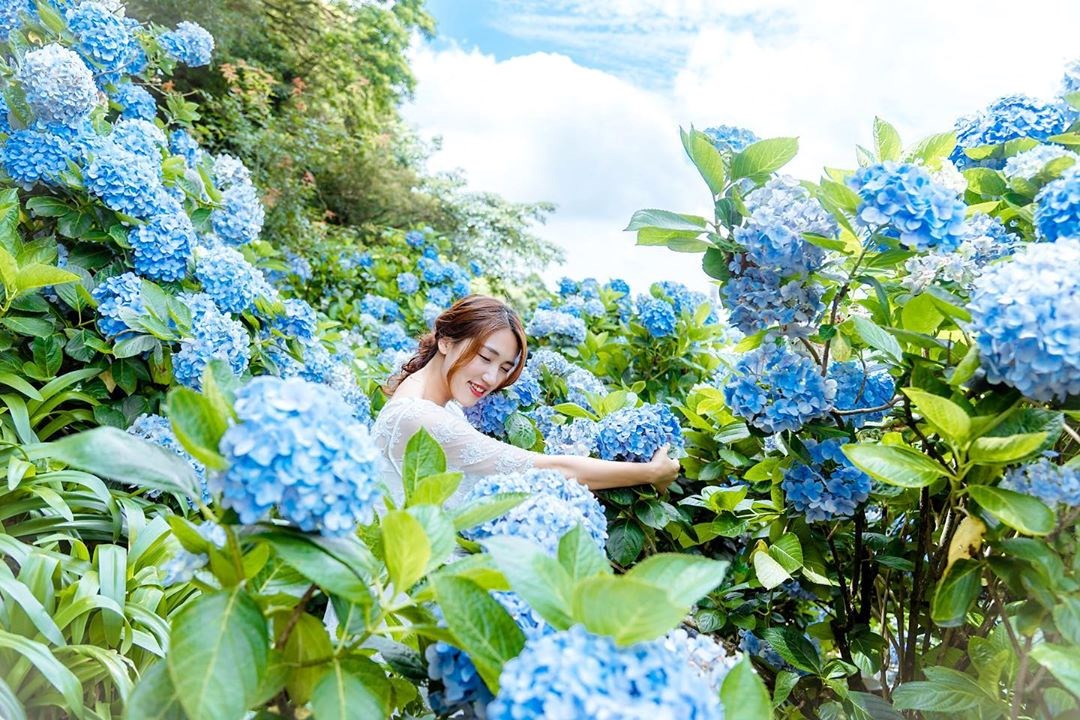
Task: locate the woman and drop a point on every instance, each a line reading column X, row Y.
column 478, row 347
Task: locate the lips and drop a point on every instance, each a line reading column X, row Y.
column 476, row 390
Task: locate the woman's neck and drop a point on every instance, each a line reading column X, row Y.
column 428, row 383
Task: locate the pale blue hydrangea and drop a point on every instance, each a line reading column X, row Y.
column 551, row 360
column 380, row 308
column 116, row 296
column 703, row 654
column 556, row 506
column 407, row 283
column 635, row 434
column 299, row 321
column 776, row 389
column 567, row 286
column 188, row 43
column 36, row 155
column 354, row 259
column 1057, row 207
column 577, row 437
column 544, row 417
column 575, row 674
column 593, row 308
column 490, row 413
column 856, row 388
column 414, row 239
column 162, row 246
column 229, row 172
column 779, row 212
column 580, row 383
column 432, row 271
column 239, row 219
column 394, row 337
column 127, row 183
column 227, row 277
column 760, row 298
column 11, row 15
column 1052, row 483
column 182, row 567
column 296, row 446
column 463, row 690
column 1030, row 163
column 59, row 87
column 987, row 240
column 1026, row 320
column 683, row 298
column 158, row 430
column 136, row 103
column 828, row 489
column 1070, row 81
column 1008, row 118
column 656, row 316
column 440, row 296
column 431, row 314
column 902, row 201
column 213, row 336
column 103, row 40
column 141, row 137
column 618, row 285
column 342, row 380
column 729, row 138
column 183, row 144
column 557, row 327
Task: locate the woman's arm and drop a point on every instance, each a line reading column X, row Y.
column 661, row 471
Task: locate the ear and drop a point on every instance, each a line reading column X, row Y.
column 444, row 345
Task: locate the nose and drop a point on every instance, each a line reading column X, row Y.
column 489, row 377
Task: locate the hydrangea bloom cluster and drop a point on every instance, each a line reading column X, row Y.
column 103, row 39
column 229, row 278
column 830, row 488
column 117, row 296
column 462, row 687
column 987, row 240
column 296, row 446
column 775, row 389
column 580, row 383
column 909, row 206
column 1052, row 483
column 1007, row 118
column 394, row 337
column 240, row 218
column 703, row 654
column 408, row 283
column 547, row 359
column 380, row 308
column 298, row 321
column 342, row 380
column 567, row 287
column 1057, row 207
column 156, row 429
column 36, row 155
column 141, row 137
column 59, row 87
column 162, row 246
column 1070, row 80
column 857, row 388
column 635, row 434
column 656, row 316
column 576, row 674
column 759, row 298
column 490, row 413
column 556, row 505
column 729, row 138
column 558, row 327
column 1030, row 163
column 135, row 102
column 11, row 12
column 188, row 43
column 577, row 437
column 214, row 336
column 751, row 644
column 182, row 566
column 414, row 239
column 127, row 183
column 1026, row 319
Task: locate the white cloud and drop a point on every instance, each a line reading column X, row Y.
column 543, row 127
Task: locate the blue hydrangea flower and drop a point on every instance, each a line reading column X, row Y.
column 912, row 208
column 296, row 446
column 576, row 674
column 395, row 337
column 1057, row 207
column 162, row 246
column 431, row 270
column 779, row 212
column 183, row 566
column 183, row 144
column 127, row 183
column 462, row 687
column 775, row 389
column 117, row 296
column 1026, row 319
column 490, row 413
column 141, row 137
column 408, row 283
column 567, row 286
column 558, row 327
column 751, row 644
column 656, row 316
column 440, row 296
column 158, row 430
column 36, row 155
column 703, row 654
column 188, row 43
column 618, row 285
column 230, row 172
column 135, row 102
column 11, row 15
column 59, row 87
column 1030, row 163
column 635, row 434
column 551, row 360
column 728, row 138
column 299, row 321
column 414, row 239
column 380, row 308
column 856, row 388
column 431, row 314
column 580, row 383
column 1070, row 81
column 830, row 488
column 342, row 380
column 683, row 298
column 103, row 39
column 214, row 336
column 229, row 278
column 577, row 437
column 988, row 240
column 760, row 298
column 555, row 507
column 1008, row 118
column 431, row 252
column 1053, row 484
column 593, row 308
column 239, row 219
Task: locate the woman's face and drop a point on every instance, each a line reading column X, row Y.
column 486, row 371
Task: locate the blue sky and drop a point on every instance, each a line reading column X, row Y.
column 578, row 102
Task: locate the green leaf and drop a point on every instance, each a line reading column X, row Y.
column 947, row 691
column 931, row 150
column 406, row 547
column 706, row 159
column 340, row 695
column 111, row 453
column 9, row 271
column 489, row 508
column 218, row 649
column 44, row 206
column 423, row 457
column 770, row 573
column 308, row 641
column 135, row 345
column 322, row 567
column 574, row 411
column 538, row 578
column 894, row 465
column 652, row 236
column 984, row 181
column 715, row 264
column 481, row 626
column 580, row 556
column 38, row 275
column 1067, row 619
column 1021, row 512
column 28, row 326
column 764, row 157
column 1062, row 662
column 198, row 425
column 788, row 552
column 686, row 578
column 625, row 608
column 886, row 140
column 520, row 430
column 52, row 670
column 31, row 606
column 877, row 338
column 154, row 697
column 997, row 450
column 956, row 592
column 435, row 489
column 947, row 416
column 744, row 694
column 665, row 220
column 625, row 541
column 16, row 382
column 793, row 647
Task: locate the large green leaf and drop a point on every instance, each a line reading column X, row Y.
column 894, row 465
column 579, row 555
column 481, row 626
column 764, row 157
column 949, row 418
column 666, row 220
column 706, row 159
column 793, row 647
column 218, row 654
column 1009, row 449
column 886, row 140
column 10, row 707
column 744, row 694
column 343, row 695
column 627, row 609
column 947, row 691
column 1021, row 512
column 198, row 425
column 685, row 578
column 1062, row 661
column 770, row 573
column 54, row 672
column 154, row 697
column 877, row 338
column 538, row 578
column 956, row 592
column 307, row 642
column 488, row 508
column 423, row 457
column 319, row 566
column 406, row 548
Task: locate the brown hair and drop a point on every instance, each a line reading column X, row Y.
column 472, row 318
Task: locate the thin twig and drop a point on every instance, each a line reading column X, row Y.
column 295, row 617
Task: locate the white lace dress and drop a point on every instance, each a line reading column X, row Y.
column 467, row 449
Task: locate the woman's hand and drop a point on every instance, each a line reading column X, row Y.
column 664, row 469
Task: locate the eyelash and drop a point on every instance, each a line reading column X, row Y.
column 485, row 359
